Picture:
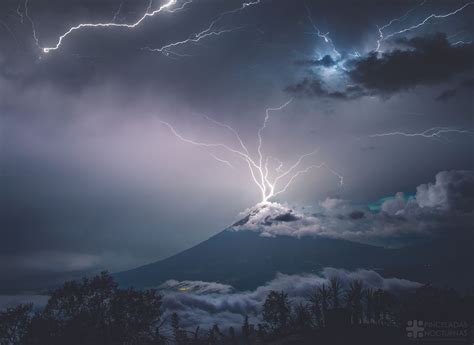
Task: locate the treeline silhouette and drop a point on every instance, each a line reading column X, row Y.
column 96, row 311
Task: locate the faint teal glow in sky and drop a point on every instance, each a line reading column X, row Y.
column 376, row 206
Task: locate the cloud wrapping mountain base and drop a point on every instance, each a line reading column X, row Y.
column 206, row 303
column 440, row 208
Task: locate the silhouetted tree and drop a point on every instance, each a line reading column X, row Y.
column 212, row 337
column 232, row 337
column 276, row 311
column 302, row 318
column 219, row 335
column 95, row 311
column 315, row 308
column 319, row 302
column 354, row 297
column 386, row 301
column 14, row 323
column 261, row 334
column 370, row 305
column 195, row 336
column 160, row 338
column 246, row 330
column 335, row 289
column 175, row 325
column 133, row 315
column 179, row 335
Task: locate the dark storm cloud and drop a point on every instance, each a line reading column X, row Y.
column 325, row 61
column 466, row 85
column 417, row 61
column 312, row 87
column 424, row 61
column 357, row 215
column 286, row 217
column 447, row 94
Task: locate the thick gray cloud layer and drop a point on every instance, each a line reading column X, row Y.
column 445, row 207
column 423, row 61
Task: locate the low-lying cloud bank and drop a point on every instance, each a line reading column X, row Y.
column 440, row 208
column 205, row 303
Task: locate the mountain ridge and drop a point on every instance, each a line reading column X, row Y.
column 246, row 260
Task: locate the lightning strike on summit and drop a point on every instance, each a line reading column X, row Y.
column 270, row 182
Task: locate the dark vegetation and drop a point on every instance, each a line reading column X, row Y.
column 96, row 311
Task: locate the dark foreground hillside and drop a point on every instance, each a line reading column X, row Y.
column 97, row 312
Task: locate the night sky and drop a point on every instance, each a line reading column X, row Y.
column 90, row 178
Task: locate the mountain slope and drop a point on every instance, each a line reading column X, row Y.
column 272, row 239
column 246, row 260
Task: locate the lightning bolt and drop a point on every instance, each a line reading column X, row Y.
column 434, row 133
column 33, row 29
column 264, row 176
column 119, row 9
column 400, row 19
column 460, row 42
column 278, row 168
column 207, row 32
column 166, row 49
column 450, row 37
column 319, row 33
column 269, row 184
column 18, row 12
column 168, row 6
column 300, row 172
column 221, row 160
column 9, row 30
column 427, row 19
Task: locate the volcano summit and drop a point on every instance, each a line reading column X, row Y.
column 272, row 238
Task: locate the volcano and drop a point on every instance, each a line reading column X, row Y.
column 246, row 258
